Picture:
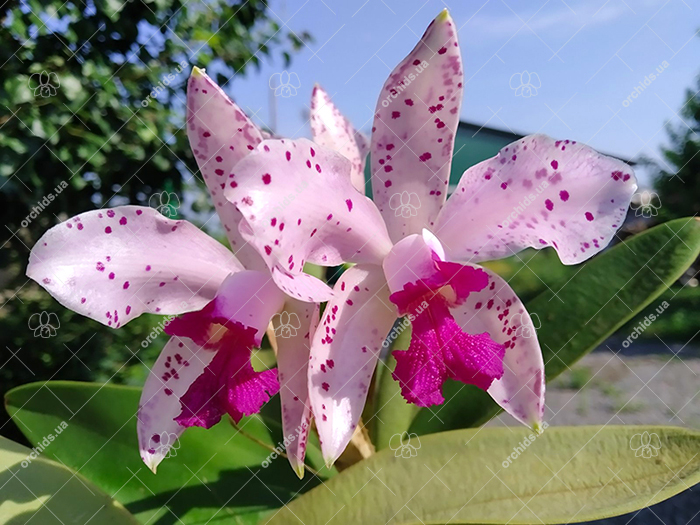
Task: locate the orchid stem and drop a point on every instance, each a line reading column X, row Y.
column 267, row 446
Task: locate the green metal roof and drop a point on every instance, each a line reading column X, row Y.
column 474, row 144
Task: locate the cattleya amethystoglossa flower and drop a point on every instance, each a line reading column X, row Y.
column 467, row 322
column 112, row 265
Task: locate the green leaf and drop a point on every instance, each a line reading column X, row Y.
column 584, row 311
column 566, row 474
column 36, row 490
column 215, row 474
column 392, row 414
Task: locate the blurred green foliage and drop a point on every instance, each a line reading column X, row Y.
column 92, row 113
column 678, row 177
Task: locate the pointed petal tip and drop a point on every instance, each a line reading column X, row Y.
column 299, row 471
column 331, row 456
column 537, row 427
column 151, row 462
column 198, row 72
column 443, row 16
column 329, row 461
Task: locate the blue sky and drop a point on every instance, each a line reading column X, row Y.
column 588, row 55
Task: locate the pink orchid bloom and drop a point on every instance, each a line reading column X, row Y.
column 468, row 324
column 113, row 265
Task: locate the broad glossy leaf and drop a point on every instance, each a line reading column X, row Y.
column 214, row 474
column 36, row 490
column 581, row 313
column 568, row 474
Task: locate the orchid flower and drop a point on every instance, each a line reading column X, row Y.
column 113, row 265
column 467, row 323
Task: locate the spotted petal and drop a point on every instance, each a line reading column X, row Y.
column 113, row 265
column 331, row 129
column 344, row 354
column 415, row 123
column 300, row 206
column 220, row 135
column 293, row 332
column 177, row 367
column 537, row 192
column 230, row 325
column 497, row 310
